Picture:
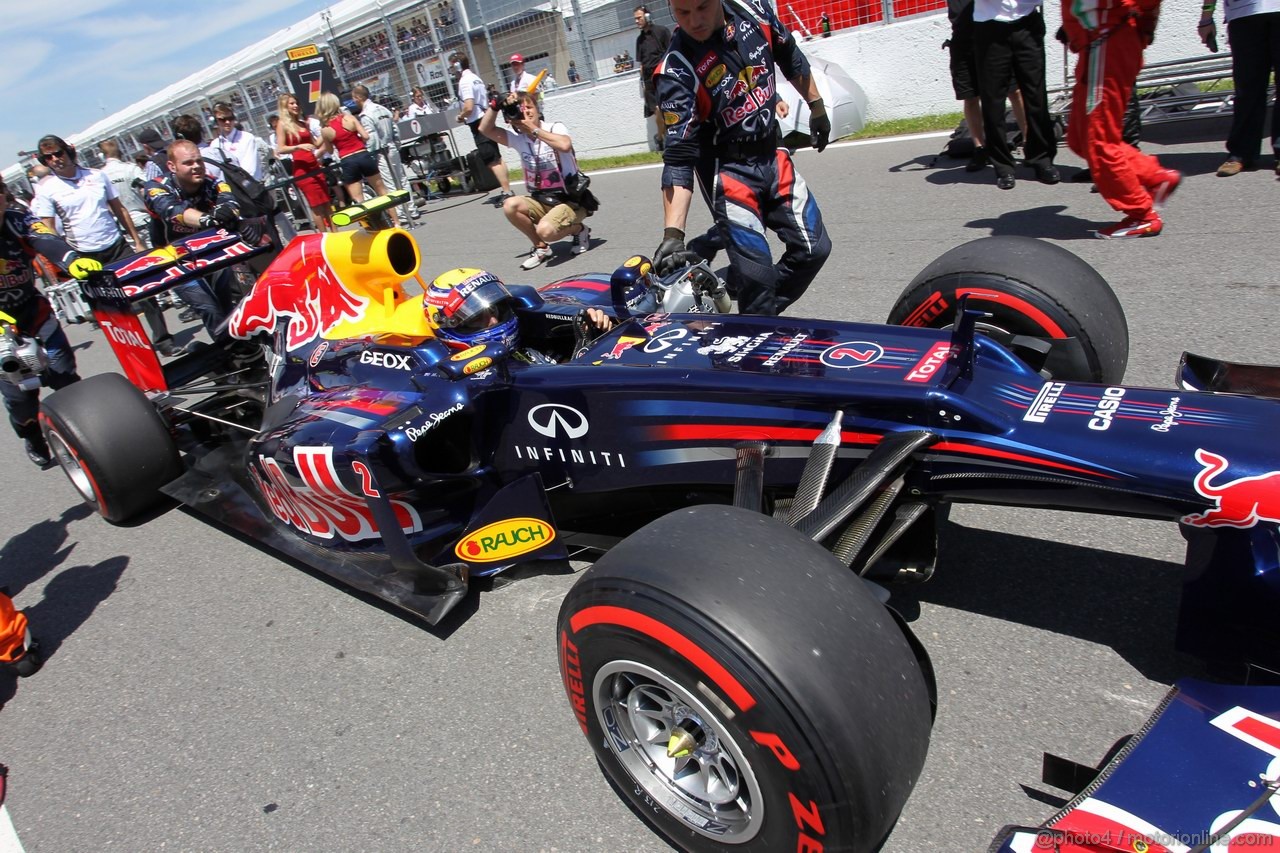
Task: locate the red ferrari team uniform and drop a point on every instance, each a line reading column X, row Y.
column 1109, row 36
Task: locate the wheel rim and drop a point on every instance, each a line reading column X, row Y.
column 72, row 468
column 708, row 786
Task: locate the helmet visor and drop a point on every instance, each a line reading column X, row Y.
column 477, row 303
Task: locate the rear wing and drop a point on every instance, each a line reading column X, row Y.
column 149, row 273
column 112, row 293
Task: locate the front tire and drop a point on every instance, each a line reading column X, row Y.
column 1030, row 288
column 742, row 688
column 111, row 443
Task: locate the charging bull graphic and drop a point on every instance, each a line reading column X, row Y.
column 308, row 292
column 1242, row 502
column 1145, row 805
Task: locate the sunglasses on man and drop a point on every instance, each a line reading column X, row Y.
column 46, row 156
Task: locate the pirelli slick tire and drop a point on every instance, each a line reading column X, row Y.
column 1030, row 288
column 743, row 689
column 111, row 443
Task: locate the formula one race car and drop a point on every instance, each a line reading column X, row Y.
column 1202, row 774
column 735, row 672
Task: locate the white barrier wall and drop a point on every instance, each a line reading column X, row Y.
column 900, row 66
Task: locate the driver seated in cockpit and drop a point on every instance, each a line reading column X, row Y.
column 470, row 308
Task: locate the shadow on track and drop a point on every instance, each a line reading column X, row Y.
column 1127, row 603
column 70, row 597
column 1044, row 222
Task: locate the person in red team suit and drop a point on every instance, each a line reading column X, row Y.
column 1109, row 37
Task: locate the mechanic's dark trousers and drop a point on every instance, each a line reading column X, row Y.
column 707, row 246
column 765, row 191
column 24, row 406
column 1105, row 75
column 1255, row 53
column 1013, row 52
column 210, row 298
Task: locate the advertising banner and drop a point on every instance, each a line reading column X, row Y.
column 429, row 72
column 309, row 74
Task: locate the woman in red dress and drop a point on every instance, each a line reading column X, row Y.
column 294, row 139
column 344, row 132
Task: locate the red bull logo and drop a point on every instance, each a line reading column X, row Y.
column 1242, row 502
column 196, row 244
column 320, row 504
column 624, row 343
column 754, row 100
column 307, row 292
column 188, row 269
column 143, row 262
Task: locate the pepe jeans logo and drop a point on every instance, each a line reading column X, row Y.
column 553, row 419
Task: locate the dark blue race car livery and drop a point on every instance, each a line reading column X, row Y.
column 744, row 477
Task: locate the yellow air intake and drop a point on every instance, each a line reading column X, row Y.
column 375, row 266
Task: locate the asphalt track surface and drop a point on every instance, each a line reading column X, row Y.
column 203, row 695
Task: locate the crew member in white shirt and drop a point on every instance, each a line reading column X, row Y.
column 1008, row 43
column 521, row 80
column 232, row 144
column 474, row 96
column 381, row 125
column 94, row 221
column 419, row 105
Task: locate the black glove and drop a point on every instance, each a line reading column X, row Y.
column 819, row 124
column 207, row 221
column 671, row 254
column 226, row 215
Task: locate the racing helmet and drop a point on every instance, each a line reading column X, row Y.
column 630, row 285
column 470, row 307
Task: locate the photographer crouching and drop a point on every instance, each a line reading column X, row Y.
column 558, row 202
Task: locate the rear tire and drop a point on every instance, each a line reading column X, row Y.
column 111, row 443
column 806, row 713
column 1030, row 288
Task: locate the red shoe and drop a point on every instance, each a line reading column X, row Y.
column 1130, row 227
column 1167, row 181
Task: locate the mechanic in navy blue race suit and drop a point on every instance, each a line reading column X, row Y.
column 186, row 201
column 717, row 89
column 22, row 237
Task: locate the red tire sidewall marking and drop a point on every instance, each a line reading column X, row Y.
column 805, row 811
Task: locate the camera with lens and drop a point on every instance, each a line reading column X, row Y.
column 511, row 109
column 22, row 359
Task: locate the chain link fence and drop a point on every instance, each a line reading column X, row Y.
column 407, row 44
